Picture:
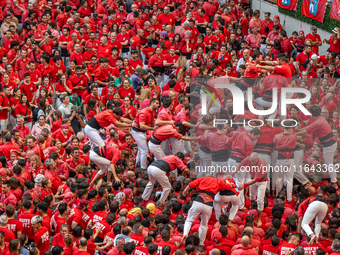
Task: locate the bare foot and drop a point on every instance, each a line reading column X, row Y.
column 259, row 222
column 183, row 240
column 308, row 184
column 312, row 239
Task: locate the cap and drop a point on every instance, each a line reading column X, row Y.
column 134, row 51
column 105, row 18
column 39, row 178
column 334, row 31
column 35, row 42
column 123, row 26
column 151, row 208
column 63, row 126
column 134, row 210
column 172, row 48
column 186, row 36
column 277, row 17
column 105, row 30
column 301, row 31
column 217, row 236
column 164, row 33
column 127, row 191
column 8, row 2
column 89, row 45
column 313, row 27
column 68, row 196
column 314, row 56
column 73, row 108
column 36, row 219
column 82, row 204
column 3, row 171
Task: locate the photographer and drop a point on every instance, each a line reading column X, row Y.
column 303, row 59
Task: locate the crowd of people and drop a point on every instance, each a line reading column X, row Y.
column 105, row 147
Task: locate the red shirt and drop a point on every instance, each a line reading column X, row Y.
column 314, row 38
column 322, row 129
column 123, row 92
column 42, row 239
column 164, row 132
column 155, row 61
column 104, row 51
column 105, row 118
column 162, row 18
column 145, row 116
column 135, row 63
column 78, row 57
column 301, row 58
column 15, row 226
column 21, row 66
column 28, row 89
column 110, row 152
column 4, row 102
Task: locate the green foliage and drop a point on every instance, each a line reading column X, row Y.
column 327, row 25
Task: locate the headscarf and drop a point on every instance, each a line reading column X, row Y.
column 119, row 197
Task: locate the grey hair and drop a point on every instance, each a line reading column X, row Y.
column 48, row 163
column 80, row 135
column 137, row 228
column 20, row 118
column 121, row 220
column 336, row 245
column 36, row 219
column 304, row 72
column 159, row 203
column 185, row 24
column 118, row 240
column 3, row 219
column 299, row 250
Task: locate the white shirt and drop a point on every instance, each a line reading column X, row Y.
column 65, row 110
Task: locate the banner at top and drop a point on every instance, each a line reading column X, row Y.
column 314, row 9
column 287, row 4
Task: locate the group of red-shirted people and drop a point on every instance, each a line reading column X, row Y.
column 105, row 147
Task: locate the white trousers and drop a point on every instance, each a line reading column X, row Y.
column 328, row 155
column 166, row 147
column 317, row 210
column 156, row 150
column 240, row 178
column 103, row 163
column 258, row 190
column 186, row 147
column 156, row 174
column 268, row 160
column 298, row 159
column 94, row 137
column 205, row 161
column 176, row 145
column 220, row 199
column 260, row 103
column 196, row 209
column 143, row 149
column 287, row 173
column 273, row 173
